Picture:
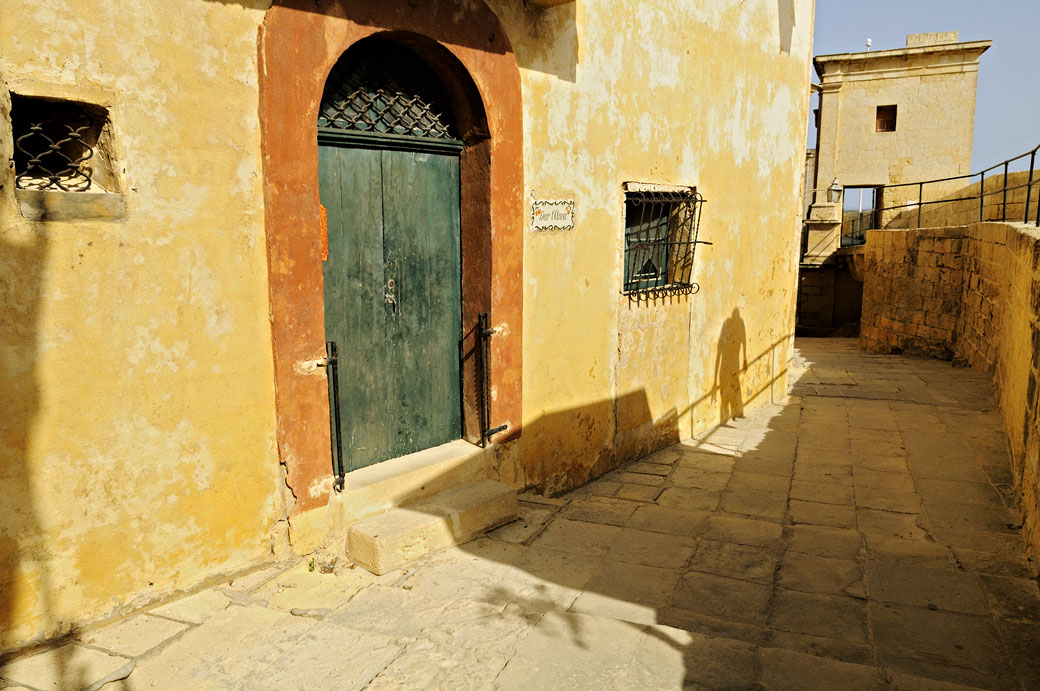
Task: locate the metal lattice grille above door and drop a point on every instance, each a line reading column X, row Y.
column 383, row 88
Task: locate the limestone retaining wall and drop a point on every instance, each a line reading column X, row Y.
column 971, row 293
column 911, row 291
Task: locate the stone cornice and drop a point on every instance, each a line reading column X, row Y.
column 872, row 61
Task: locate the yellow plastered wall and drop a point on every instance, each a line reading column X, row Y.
column 137, row 452
column 713, row 94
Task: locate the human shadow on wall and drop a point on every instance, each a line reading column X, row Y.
column 29, row 611
column 22, row 260
column 730, row 364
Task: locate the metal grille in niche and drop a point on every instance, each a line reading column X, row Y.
column 382, row 88
column 660, row 239
column 54, row 142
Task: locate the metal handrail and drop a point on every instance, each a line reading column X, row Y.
column 1034, row 179
column 857, row 228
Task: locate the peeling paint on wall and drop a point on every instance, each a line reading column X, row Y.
column 140, row 455
column 136, row 394
column 709, row 94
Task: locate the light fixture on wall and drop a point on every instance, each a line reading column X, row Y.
column 834, row 192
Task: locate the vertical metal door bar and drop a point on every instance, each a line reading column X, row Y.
column 332, row 365
column 486, row 332
column 485, row 388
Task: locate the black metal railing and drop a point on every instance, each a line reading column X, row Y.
column 854, row 227
column 905, row 211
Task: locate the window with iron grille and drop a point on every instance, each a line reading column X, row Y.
column 660, row 238
column 58, row 145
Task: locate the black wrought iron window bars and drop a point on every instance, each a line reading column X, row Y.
column 52, row 155
column 661, row 230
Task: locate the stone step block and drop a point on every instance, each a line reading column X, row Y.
column 405, row 480
column 402, row 535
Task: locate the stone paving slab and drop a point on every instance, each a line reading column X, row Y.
column 857, row 535
column 70, row 666
column 135, row 636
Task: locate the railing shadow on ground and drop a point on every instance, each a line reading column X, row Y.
column 570, row 606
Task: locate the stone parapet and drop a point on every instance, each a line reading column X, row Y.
column 971, row 294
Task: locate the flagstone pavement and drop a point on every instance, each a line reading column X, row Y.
column 860, row 534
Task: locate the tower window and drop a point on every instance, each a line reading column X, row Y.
column 886, row 119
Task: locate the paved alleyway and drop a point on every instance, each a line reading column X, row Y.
column 853, row 537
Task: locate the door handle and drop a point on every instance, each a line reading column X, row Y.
column 389, row 296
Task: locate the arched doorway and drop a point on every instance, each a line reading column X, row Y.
column 388, row 172
column 467, row 48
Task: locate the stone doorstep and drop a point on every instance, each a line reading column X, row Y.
column 408, row 479
column 402, row 535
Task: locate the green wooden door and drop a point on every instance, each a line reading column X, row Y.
column 393, row 297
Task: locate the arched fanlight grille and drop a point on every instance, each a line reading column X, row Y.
column 383, row 88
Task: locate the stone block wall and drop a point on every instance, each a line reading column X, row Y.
column 912, row 291
column 971, row 293
column 816, row 297
column 828, row 297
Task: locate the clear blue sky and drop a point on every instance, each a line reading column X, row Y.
column 1007, row 112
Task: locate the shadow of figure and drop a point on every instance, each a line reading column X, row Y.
column 730, row 362
column 20, row 267
column 18, row 404
column 26, row 593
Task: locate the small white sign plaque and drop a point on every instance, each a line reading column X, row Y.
column 552, row 214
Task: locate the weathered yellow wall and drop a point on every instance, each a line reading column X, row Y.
column 137, row 454
column 710, row 93
column 136, row 397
